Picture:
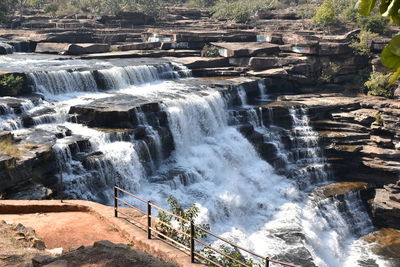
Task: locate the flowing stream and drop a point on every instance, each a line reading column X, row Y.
column 270, row 209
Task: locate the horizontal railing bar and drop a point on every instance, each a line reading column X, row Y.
column 131, row 218
column 222, row 253
column 130, row 205
column 170, row 213
column 198, row 227
column 207, row 259
column 168, row 225
column 230, row 243
column 169, row 238
column 132, row 195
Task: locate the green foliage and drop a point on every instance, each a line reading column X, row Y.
column 362, row 76
column 51, row 8
column 225, row 261
column 391, row 54
column 328, row 72
column 326, row 14
column 241, row 11
column 189, row 214
column 378, row 119
column 202, row 3
column 362, row 46
column 379, row 85
column 307, row 11
column 7, row 8
column 210, row 51
column 373, row 23
column 11, row 85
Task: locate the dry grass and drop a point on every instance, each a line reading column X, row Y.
column 8, row 147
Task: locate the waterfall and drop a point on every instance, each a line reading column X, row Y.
column 268, row 208
column 57, row 82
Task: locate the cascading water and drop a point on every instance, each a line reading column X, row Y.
column 270, row 210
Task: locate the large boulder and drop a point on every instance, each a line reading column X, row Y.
column 6, row 48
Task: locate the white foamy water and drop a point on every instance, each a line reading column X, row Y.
column 240, row 195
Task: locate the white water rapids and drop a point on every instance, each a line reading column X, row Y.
column 240, row 195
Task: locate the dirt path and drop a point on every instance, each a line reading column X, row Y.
column 67, row 229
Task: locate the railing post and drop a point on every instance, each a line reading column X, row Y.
column 266, row 262
column 115, row 201
column 192, row 242
column 148, row 219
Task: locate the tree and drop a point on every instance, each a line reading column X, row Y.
column 6, row 9
column 326, row 14
column 390, row 56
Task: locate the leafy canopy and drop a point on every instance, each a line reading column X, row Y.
column 390, row 56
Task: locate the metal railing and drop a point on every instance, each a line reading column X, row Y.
column 194, row 255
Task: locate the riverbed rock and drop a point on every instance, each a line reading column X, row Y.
column 246, row 49
column 71, row 49
column 342, row 188
column 386, row 242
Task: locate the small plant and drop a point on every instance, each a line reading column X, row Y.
column 10, row 84
column 326, row 14
column 379, row 84
column 378, row 119
column 362, row 46
column 226, row 261
column 328, row 72
column 189, row 214
column 210, row 51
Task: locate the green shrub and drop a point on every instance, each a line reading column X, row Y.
column 210, row 51
column 226, row 261
column 202, row 3
column 11, row 85
column 326, row 14
column 378, row 119
column 51, row 8
column 378, row 84
column 362, row 46
column 307, row 11
column 241, row 11
column 328, row 72
column 373, row 23
column 189, row 214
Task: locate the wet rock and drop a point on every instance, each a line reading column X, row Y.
column 6, row 49
column 343, row 188
column 385, row 242
column 118, row 111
